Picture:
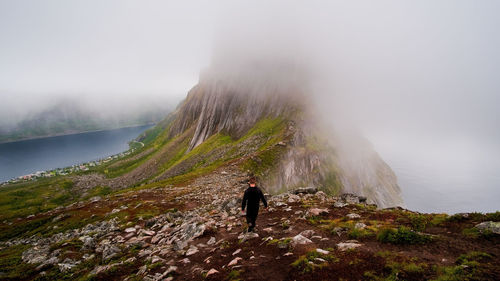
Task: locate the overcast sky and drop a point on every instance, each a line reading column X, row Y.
column 428, row 65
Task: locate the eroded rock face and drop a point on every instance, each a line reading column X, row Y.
column 233, row 102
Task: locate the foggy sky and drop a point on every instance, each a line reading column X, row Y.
column 420, row 79
column 430, row 66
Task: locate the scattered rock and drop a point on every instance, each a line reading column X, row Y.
column 211, row 241
column 292, row 198
column 307, row 233
column 95, row 199
column 359, row 225
column 130, row 230
column 60, row 217
column 88, row 243
column 317, row 212
column 351, row 244
column 234, row 261
column 192, row 250
column 156, row 259
column 339, row 204
column 180, row 245
column 353, row 216
column 321, row 195
column 37, row 254
column 236, row 252
column 247, row 236
column 110, row 251
column 171, row 269
column 323, row 252
column 350, row 198
column 268, row 229
column 299, row 240
column 212, row 272
column 309, row 189
column 489, row 226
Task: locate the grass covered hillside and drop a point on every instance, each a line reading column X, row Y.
column 170, row 209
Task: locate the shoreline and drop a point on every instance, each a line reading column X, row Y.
column 74, row 133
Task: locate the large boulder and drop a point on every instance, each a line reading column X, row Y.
column 489, row 226
column 350, row 198
column 309, row 190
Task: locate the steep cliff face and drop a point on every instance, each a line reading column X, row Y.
column 295, row 152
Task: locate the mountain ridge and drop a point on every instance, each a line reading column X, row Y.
column 171, row 210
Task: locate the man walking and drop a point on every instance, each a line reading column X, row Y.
column 251, row 199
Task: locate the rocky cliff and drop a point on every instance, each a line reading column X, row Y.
column 261, row 115
column 300, row 153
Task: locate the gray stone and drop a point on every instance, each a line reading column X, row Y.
column 247, row 236
column 234, row 261
column 343, row 246
column 359, row 225
column 309, row 190
column 130, row 230
column 88, row 243
column 37, row 254
column 307, row 233
column 317, row 211
column 323, row 252
column 192, row 250
column 339, row 204
column 179, row 245
column 95, row 199
column 292, row 198
column 490, row 226
column 350, row 198
column 110, row 251
column 300, row 240
column 211, row 272
column 353, row 216
column 211, row 241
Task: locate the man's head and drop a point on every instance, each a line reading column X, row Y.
column 252, row 182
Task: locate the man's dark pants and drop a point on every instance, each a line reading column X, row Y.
column 251, row 221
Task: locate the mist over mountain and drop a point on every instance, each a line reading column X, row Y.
column 66, row 115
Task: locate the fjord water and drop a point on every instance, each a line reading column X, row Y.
column 444, row 175
column 28, row 156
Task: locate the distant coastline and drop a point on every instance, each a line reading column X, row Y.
column 75, row 132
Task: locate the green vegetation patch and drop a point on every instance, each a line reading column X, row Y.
column 234, row 275
column 470, row 266
column 23, row 229
column 11, row 263
column 281, row 243
column 314, row 260
column 402, row 236
column 23, row 199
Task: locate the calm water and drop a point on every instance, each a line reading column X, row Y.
column 445, row 175
column 25, row 157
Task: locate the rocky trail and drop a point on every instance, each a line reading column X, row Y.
column 195, row 231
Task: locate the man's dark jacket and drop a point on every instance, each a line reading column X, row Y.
column 251, row 199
